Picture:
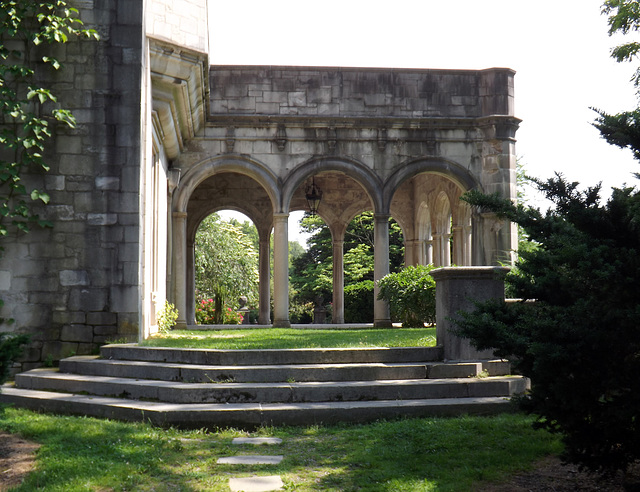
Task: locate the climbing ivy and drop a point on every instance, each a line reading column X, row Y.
column 28, row 106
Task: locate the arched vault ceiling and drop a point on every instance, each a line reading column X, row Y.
column 342, row 199
column 230, row 191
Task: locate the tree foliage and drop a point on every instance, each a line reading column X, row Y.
column 226, row 263
column 312, row 272
column 27, row 105
column 579, row 342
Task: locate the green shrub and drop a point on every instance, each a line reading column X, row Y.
column 167, row 317
column 10, row 350
column 411, row 294
column 301, row 312
column 358, row 302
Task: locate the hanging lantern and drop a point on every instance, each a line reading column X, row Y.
column 313, row 195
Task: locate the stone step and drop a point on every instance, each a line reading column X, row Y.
column 178, row 392
column 272, row 356
column 194, row 373
column 247, row 415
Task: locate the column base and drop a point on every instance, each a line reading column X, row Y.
column 180, row 325
column 383, row 323
column 281, row 323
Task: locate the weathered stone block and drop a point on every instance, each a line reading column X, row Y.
column 74, row 277
column 107, row 183
column 5, row 280
column 86, row 299
column 102, row 219
column 297, row 98
column 58, row 350
column 54, row 182
column 124, row 299
column 104, row 330
column 101, row 318
column 69, row 317
column 77, row 333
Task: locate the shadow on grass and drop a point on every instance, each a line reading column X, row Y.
column 418, row 454
column 80, row 454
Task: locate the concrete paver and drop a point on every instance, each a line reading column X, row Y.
column 250, row 460
column 256, row 484
column 256, row 440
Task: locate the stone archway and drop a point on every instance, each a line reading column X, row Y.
column 234, row 183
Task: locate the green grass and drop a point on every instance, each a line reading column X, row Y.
column 283, row 338
column 87, row 454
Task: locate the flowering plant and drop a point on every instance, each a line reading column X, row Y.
column 206, row 314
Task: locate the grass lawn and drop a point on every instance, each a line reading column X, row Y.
column 282, row 338
column 87, row 454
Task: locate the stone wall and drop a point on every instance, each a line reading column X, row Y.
column 76, row 285
column 181, row 22
column 350, row 92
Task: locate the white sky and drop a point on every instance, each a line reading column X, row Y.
column 559, row 49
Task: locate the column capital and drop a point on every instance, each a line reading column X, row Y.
column 179, row 215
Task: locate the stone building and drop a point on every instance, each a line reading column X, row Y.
column 164, row 139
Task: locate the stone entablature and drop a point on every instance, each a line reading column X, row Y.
column 360, row 92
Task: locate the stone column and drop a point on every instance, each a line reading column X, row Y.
column 179, row 230
column 281, row 271
column 412, row 252
column 446, row 249
column 190, row 293
column 381, row 317
column 427, row 252
column 458, row 246
column 457, row 288
column 437, row 250
column 264, row 316
column 338, row 281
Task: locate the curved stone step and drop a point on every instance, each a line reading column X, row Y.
column 248, row 415
column 177, row 392
column 92, row 365
column 132, row 351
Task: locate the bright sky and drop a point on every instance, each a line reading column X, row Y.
column 559, row 49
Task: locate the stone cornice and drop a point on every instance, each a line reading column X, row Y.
column 179, row 82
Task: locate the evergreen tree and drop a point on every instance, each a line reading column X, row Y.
column 579, row 341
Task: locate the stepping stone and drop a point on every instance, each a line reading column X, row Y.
column 250, row 460
column 256, row 440
column 256, row 484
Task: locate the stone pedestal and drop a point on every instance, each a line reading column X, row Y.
column 457, row 288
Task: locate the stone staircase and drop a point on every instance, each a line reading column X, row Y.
column 195, row 388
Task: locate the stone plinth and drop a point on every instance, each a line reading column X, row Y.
column 457, row 289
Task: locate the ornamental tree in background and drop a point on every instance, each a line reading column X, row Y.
column 226, row 264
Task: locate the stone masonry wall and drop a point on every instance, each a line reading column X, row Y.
column 350, row 92
column 181, row 22
column 75, row 285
